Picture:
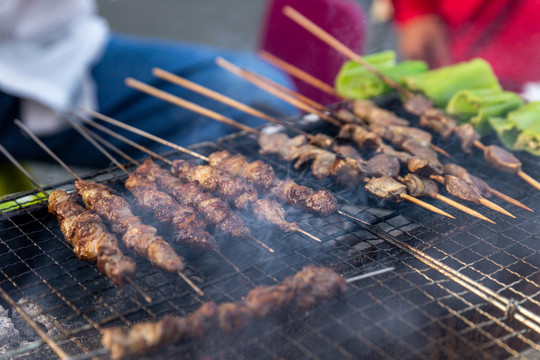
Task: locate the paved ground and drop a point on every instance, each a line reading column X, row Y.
column 225, row 23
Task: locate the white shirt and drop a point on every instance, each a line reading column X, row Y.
column 47, row 48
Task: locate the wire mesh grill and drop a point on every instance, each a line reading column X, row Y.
column 417, row 311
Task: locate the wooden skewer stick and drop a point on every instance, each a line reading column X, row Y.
column 339, row 46
column 238, row 105
column 175, row 79
column 425, row 205
column 136, row 286
column 184, row 150
column 150, row 90
column 80, row 130
column 370, row 274
column 463, row 208
column 507, row 198
column 300, row 74
column 272, row 90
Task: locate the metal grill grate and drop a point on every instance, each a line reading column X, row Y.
column 460, row 288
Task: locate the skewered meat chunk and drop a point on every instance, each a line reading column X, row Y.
column 84, row 230
column 467, row 135
column 383, row 165
column 386, row 188
column 420, row 186
column 322, row 160
column 272, row 143
column 291, row 149
column 319, row 202
column 348, row 151
column 461, row 189
column 299, row 292
column 436, row 120
column 423, row 167
column 416, row 149
column 141, row 238
column 371, row 113
column 216, row 211
column 235, row 190
column 188, row 226
column 501, row 159
column 347, row 171
column 322, row 140
column 402, row 133
column 362, row 137
column 401, row 155
column 462, row 173
column 418, row 105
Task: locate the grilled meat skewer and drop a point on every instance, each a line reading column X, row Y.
column 141, row 238
column 235, row 190
column 84, row 230
column 216, row 211
column 188, row 226
column 299, row 292
column 262, row 176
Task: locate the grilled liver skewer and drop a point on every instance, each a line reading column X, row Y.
column 296, row 293
column 417, row 104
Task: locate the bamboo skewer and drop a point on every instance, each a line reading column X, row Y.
column 296, row 72
column 184, row 150
column 337, row 45
column 240, row 106
column 68, row 169
column 157, row 93
column 6, row 153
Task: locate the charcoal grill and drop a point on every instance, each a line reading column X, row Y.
column 460, row 289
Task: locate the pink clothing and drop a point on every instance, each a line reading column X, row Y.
column 282, row 37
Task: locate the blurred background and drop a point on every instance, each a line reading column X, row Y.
column 231, row 24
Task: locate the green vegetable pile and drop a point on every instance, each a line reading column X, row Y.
column 469, row 91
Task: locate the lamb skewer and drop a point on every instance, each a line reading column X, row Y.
column 113, row 209
column 494, row 156
column 232, row 188
column 300, row 292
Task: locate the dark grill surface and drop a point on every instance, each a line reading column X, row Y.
column 447, row 297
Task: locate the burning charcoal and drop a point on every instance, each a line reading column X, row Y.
column 501, row 159
column 383, row 165
column 467, row 135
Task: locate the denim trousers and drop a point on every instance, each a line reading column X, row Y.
column 127, row 56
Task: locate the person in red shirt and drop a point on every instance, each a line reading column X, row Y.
column 506, row 33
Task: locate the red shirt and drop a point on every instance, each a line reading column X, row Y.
column 504, row 32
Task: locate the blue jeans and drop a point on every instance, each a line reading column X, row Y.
column 134, row 57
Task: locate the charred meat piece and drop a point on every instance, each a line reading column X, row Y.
column 407, row 132
column 360, row 136
column 438, row 121
column 322, row 160
column 371, row 113
column 383, row 165
column 418, row 105
column 461, row 189
column 272, row 143
column 291, row 149
column 348, row 151
column 347, row 116
column 501, row 159
column 89, row 237
column 420, row 186
column 401, row 155
column 235, row 190
column 424, row 152
column 188, row 226
column 321, row 140
column 262, row 175
column 299, row 292
column 467, row 135
column 216, row 211
column 347, row 171
column 462, row 173
column 423, row 167
column 141, row 238
column 386, row 188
